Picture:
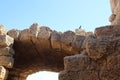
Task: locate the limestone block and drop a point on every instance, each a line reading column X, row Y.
column 14, row 33
column 55, row 40
column 115, row 7
column 97, row 48
column 112, row 69
column 78, row 42
column 6, row 40
column 3, row 73
column 2, row 30
column 76, row 63
column 34, row 29
column 69, row 75
column 7, row 51
column 25, row 34
column 79, row 67
column 44, row 33
column 6, row 61
column 110, row 30
column 66, row 41
column 67, row 37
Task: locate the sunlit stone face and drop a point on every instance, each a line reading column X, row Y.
column 43, row 75
column 3, row 73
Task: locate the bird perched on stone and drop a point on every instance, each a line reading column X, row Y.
column 80, row 27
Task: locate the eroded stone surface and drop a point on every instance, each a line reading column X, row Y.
column 3, row 30
column 7, row 51
column 44, row 33
column 42, row 44
column 115, row 7
column 14, row 33
column 101, row 61
column 111, row 30
column 6, row 40
column 47, row 48
column 6, row 61
column 3, row 73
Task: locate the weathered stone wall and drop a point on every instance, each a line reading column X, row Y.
column 6, row 53
column 96, row 56
column 101, row 60
column 37, row 49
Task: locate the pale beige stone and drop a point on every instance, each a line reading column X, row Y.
column 14, row 33
column 3, row 73
column 80, row 32
column 2, row 30
column 115, row 7
column 25, row 34
column 55, row 40
column 6, row 40
column 34, row 29
column 44, row 33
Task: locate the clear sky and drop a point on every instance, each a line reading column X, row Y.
column 60, row 15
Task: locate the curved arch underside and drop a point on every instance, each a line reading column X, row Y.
column 40, row 48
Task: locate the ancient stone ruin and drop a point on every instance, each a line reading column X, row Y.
column 115, row 7
column 76, row 55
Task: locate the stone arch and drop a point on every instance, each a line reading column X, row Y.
column 40, row 48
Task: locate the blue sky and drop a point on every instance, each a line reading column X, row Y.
column 60, row 15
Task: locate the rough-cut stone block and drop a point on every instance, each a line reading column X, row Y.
column 111, row 30
column 67, row 37
column 6, row 40
column 7, row 51
column 14, row 33
column 98, row 48
column 6, row 61
column 76, row 63
column 79, row 75
column 34, row 29
column 112, row 69
column 66, row 41
column 67, row 76
column 115, row 7
column 78, row 42
column 3, row 73
column 3, row 31
column 25, row 34
column 44, row 33
column 55, row 40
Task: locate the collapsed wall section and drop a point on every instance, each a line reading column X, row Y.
column 39, row 48
column 101, row 59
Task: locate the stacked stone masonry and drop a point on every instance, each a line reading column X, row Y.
column 39, row 48
column 87, row 56
column 95, row 56
column 100, row 60
column 6, row 53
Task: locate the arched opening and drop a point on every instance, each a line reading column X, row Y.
column 43, row 75
column 37, row 53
